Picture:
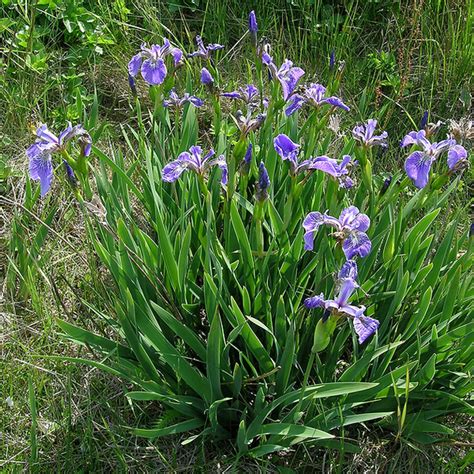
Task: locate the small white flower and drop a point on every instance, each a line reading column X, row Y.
column 9, row 402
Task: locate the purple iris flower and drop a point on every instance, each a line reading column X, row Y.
column 253, row 26
column 286, row 74
column 346, row 284
column 47, row 143
column 263, row 182
column 337, row 170
column 206, row 77
column 204, row 51
column 194, row 161
column 332, row 59
column 315, row 95
column 418, row 164
column 350, row 230
column 289, row 150
column 248, row 94
column 457, row 158
column 177, row 102
column 365, row 134
column 151, row 62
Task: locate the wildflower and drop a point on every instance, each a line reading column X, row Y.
column 177, row 102
column 350, row 231
column 346, row 284
column 248, row 94
column 287, row 75
column 263, row 182
column 247, row 124
column 194, row 161
column 9, row 402
column 151, row 62
column 288, row 150
column 337, row 170
column 457, row 158
column 418, row 164
column 204, row 51
column 40, row 153
column 206, row 77
column 365, row 134
column 314, row 94
column 253, row 26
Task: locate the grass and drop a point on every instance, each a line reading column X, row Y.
column 77, row 417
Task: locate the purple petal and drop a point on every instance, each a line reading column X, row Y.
column 41, row 169
column 417, row 167
column 154, row 73
column 352, row 219
column 348, row 270
column 232, row 95
column 134, row 64
column 336, row 102
column 285, row 147
column 44, row 134
column 253, row 26
column 326, row 165
column 295, row 102
column 172, row 171
column 177, row 55
column 315, row 302
column 356, row 243
column 206, row 77
column 365, row 327
column 214, row 47
column 456, row 154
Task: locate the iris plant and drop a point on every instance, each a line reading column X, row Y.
column 365, row 134
column 287, row 74
column 418, row 164
column 339, row 306
column 350, row 231
column 204, row 51
column 47, row 143
column 151, row 62
column 194, row 161
column 314, row 95
column 177, row 102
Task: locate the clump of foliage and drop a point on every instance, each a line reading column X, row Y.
column 275, row 290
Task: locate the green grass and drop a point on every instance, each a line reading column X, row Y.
column 81, row 415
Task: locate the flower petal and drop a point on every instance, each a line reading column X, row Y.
column 456, row 154
column 154, row 72
column 417, row 167
column 356, row 243
column 41, row 168
column 134, row 64
column 172, row 171
column 365, row 327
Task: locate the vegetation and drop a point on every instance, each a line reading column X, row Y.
column 210, row 307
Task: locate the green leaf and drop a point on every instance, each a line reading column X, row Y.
column 182, row 427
